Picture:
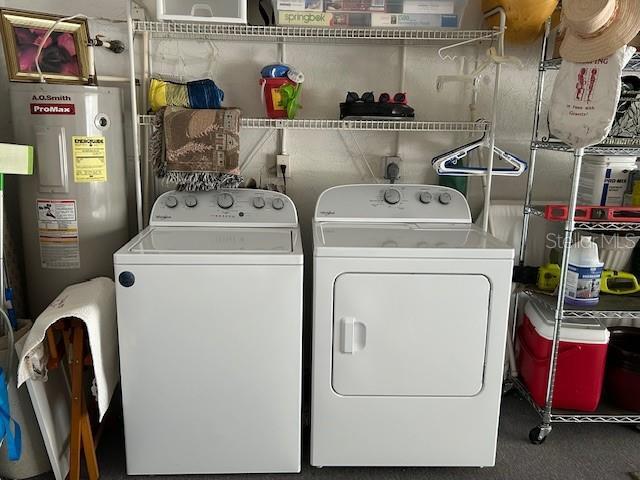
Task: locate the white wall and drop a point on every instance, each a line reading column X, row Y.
column 322, row 159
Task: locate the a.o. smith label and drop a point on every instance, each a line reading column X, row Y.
column 53, row 109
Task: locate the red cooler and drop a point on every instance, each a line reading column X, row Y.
column 581, row 360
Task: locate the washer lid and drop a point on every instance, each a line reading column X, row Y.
column 212, row 245
column 334, row 239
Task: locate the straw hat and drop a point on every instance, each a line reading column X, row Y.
column 597, row 28
column 525, row 18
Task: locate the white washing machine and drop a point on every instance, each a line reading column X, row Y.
column 210, row 329
column 411, row 303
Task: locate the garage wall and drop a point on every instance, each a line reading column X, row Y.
column 323, row 159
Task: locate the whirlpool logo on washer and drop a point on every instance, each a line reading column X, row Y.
column 328, row 213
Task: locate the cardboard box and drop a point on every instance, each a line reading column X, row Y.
column 413, row 20
column 300, row 5
column 436, row 7
column 323, row 19
column 355, row 5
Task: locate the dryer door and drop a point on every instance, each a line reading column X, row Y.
column 409, row 334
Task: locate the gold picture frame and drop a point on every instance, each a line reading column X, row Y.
column 64, row 58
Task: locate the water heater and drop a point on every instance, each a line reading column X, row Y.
column 74, row 208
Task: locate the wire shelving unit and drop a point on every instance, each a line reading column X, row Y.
column 146, row 30
column 610, row 307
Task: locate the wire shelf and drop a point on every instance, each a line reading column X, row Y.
column 608, row 226
column 363, row 125
column 619, row 307
column 554, row 64
column 611, row 146
column 210, row 31
column 604, row 413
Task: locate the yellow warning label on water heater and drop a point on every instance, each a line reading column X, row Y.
column 89, row 159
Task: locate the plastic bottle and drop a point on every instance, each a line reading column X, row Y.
column 583, row 276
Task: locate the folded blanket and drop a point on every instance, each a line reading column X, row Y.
column 197, row 149
column 197, row 94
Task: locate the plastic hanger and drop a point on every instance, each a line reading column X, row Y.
column 447, row 163
column 464, row 42
column 492, row 58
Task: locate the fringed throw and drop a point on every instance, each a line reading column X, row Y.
column 196, row 149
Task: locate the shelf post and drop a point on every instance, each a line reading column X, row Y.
column 494, row 116
column 534, row 150
column 545, row 428
column 134, row 118
column 526, row 216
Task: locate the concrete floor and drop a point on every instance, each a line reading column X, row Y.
column 580, row 452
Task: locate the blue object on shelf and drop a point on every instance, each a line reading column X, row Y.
column 275, row 70
column 204, row 94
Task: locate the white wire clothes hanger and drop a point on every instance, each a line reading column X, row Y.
column 448, row 163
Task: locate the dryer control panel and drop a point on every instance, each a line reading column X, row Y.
column 394, row 203
column 238, row 206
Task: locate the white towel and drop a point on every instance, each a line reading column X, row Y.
column 93, row 302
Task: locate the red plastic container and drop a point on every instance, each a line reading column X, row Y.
column 271, row 96
column 623, row 368
column 581, row 360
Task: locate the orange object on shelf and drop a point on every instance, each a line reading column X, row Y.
column 525, row 18
column 560, row 213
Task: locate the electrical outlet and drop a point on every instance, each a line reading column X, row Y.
column 283, row 160
column 391, row 159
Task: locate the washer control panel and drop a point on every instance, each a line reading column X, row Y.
column 240, row 206
column 406, row 203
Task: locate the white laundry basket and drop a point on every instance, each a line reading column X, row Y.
column 34, row 460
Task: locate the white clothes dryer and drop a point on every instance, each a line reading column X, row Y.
column 411, row 304
column 209, row 301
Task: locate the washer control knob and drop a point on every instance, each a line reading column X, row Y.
column 392, row 196
column 191, row 201
column 425, row 197
column 258, row 202
column 225, row 200
column 445, row 198
column 171, row 201
column 277, row 203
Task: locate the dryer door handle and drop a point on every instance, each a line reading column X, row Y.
column 353, row 335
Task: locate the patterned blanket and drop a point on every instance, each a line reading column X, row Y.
column 197, row 149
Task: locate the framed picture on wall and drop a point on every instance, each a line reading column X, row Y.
column 64, row 57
